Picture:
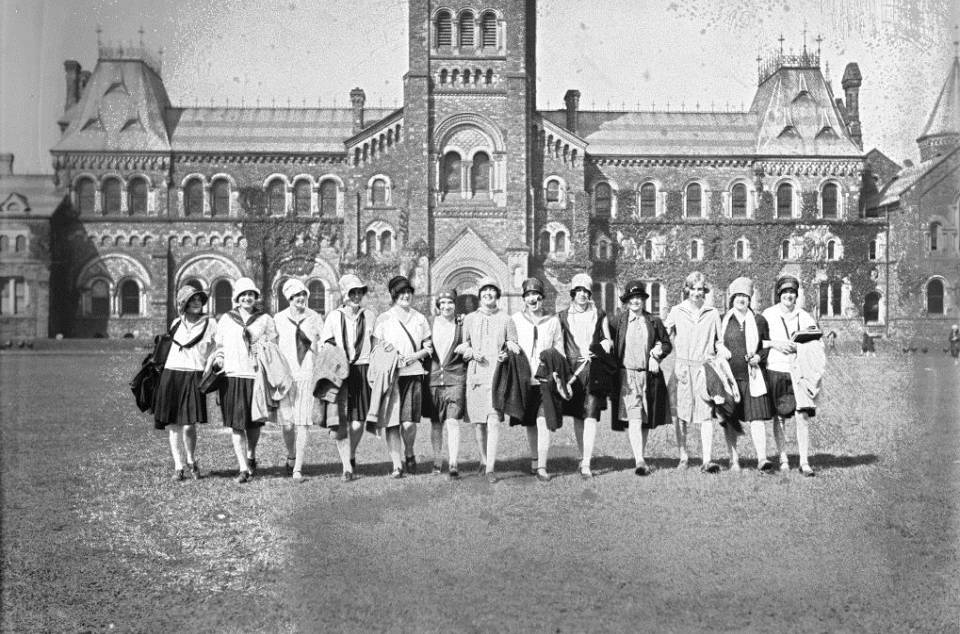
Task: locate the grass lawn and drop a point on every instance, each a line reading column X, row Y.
column 95, row 535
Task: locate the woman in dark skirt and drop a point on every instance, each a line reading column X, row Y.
column 179, row 404
column 743, row 333
column 240, row 334
column 408, row 331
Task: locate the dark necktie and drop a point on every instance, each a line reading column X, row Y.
column 303, row 341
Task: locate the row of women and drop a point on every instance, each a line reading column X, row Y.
column 486, row 368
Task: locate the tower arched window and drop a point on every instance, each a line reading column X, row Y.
column 694, row 249
column 785, row 200
column 872, row 250
column 277, row 197
column 318, row 296
column 99, row 299
column 738, row 201
column 488, row 30
column 20, row 244
column 935, row 297
column 553, row 191
column 4, row 243
column 785, row 250
column 86, row 195
column 386, row 241
column 648, row 200
column 480, row 173
column 371, row 241
column 871, row 307
column 648, row 250
column 832, row 250
column 193, row 198
column 603, row 250
column 222, row 297
column 740, row 250
column 560, row 242
column 466, row 30
column 828, row 200
column 301, row 197
column 378, row 192
column 328, row 198
column 444, row 29
column 544, row 245
column 935, row 238
column 602, row 198
column 129, row 298
column 137, row 197
column 220, row 198
column 694, row 199
column 111, row 196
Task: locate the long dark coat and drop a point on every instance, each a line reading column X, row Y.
column 658, row 398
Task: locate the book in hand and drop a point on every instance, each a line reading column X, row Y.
column 810, row 334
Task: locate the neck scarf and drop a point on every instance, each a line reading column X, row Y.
column 748, row 325
column 245, row 324
column 303, row 341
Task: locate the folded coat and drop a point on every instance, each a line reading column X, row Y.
column 554, row 377
column 807, row 373
column 384, row 392
column 511, row 381
column 330, row 369
column 271, row 383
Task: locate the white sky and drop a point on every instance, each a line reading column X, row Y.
column 615, row 52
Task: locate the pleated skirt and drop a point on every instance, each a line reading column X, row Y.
column 236, row 404
column 178, row 400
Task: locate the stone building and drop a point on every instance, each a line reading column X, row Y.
column 923, row 204
column 467, row 178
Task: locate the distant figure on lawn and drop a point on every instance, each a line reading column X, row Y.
column 831, row 339
column 867, row 346
column 179, row 404
column 955, row 344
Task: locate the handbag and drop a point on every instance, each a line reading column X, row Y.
column 161, row 346
column 144, row 384
column 211, row 381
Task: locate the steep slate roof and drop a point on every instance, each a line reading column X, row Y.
column 798, row 116
column 945, row 117
column 121, row 109
column 664, row 133
column 910, row 176
column 265, row 130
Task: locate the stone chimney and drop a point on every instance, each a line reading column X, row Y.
column 357, row 99
column 572, row 100
column 72, row 71
column 851, row 88
column 6, row 164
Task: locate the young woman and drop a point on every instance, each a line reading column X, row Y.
column 640, row 342
column 240, row 333
column 407, row 331
column 743, row 333
column 298, row 329
column 694, row 328
column 445, row 392
column 180, row 405
column 537, row 331
column 350, row 327
column 486, row 331
column 783, row 320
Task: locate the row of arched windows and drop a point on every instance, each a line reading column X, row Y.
column 465, row 77
column 696, row 200
column 111, row 194
column 471, row 32
column 19, row 243
column 100, row 303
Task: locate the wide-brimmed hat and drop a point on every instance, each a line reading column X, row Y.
column 447, row 293
column 531, row 285
column 581, row 280
column 484, row 282
column 787, row 282
column 293, row 287
column 349, row 282
column 243, row 285
column 397, row 285
column 741, row 286
column 185, row 294
column 634, row 288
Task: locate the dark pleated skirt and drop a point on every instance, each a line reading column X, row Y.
column 752, row 407
column 411, row 398
column 236, row 403
column 358, row 393
column 178, row 399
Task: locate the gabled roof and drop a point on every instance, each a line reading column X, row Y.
column 663, row 133
column 797, row 115
column 910, row 176
column 121, row 109
column 265, row 130
column 945, row 117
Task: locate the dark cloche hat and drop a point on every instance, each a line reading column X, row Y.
column 447, row 293
column 787, row 282
column 397, row 285
column 635, row 288
column 531, row 285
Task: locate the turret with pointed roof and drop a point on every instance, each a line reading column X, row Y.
column 942, row 132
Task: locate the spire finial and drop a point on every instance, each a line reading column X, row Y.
column 141, row 32
column 780, row 39
column 99, row 31
column 956, row 40
column 804, row 38
column 819, row 40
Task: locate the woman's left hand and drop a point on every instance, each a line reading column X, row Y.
column 754, row 361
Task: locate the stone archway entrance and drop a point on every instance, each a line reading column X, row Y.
column 464, row 281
